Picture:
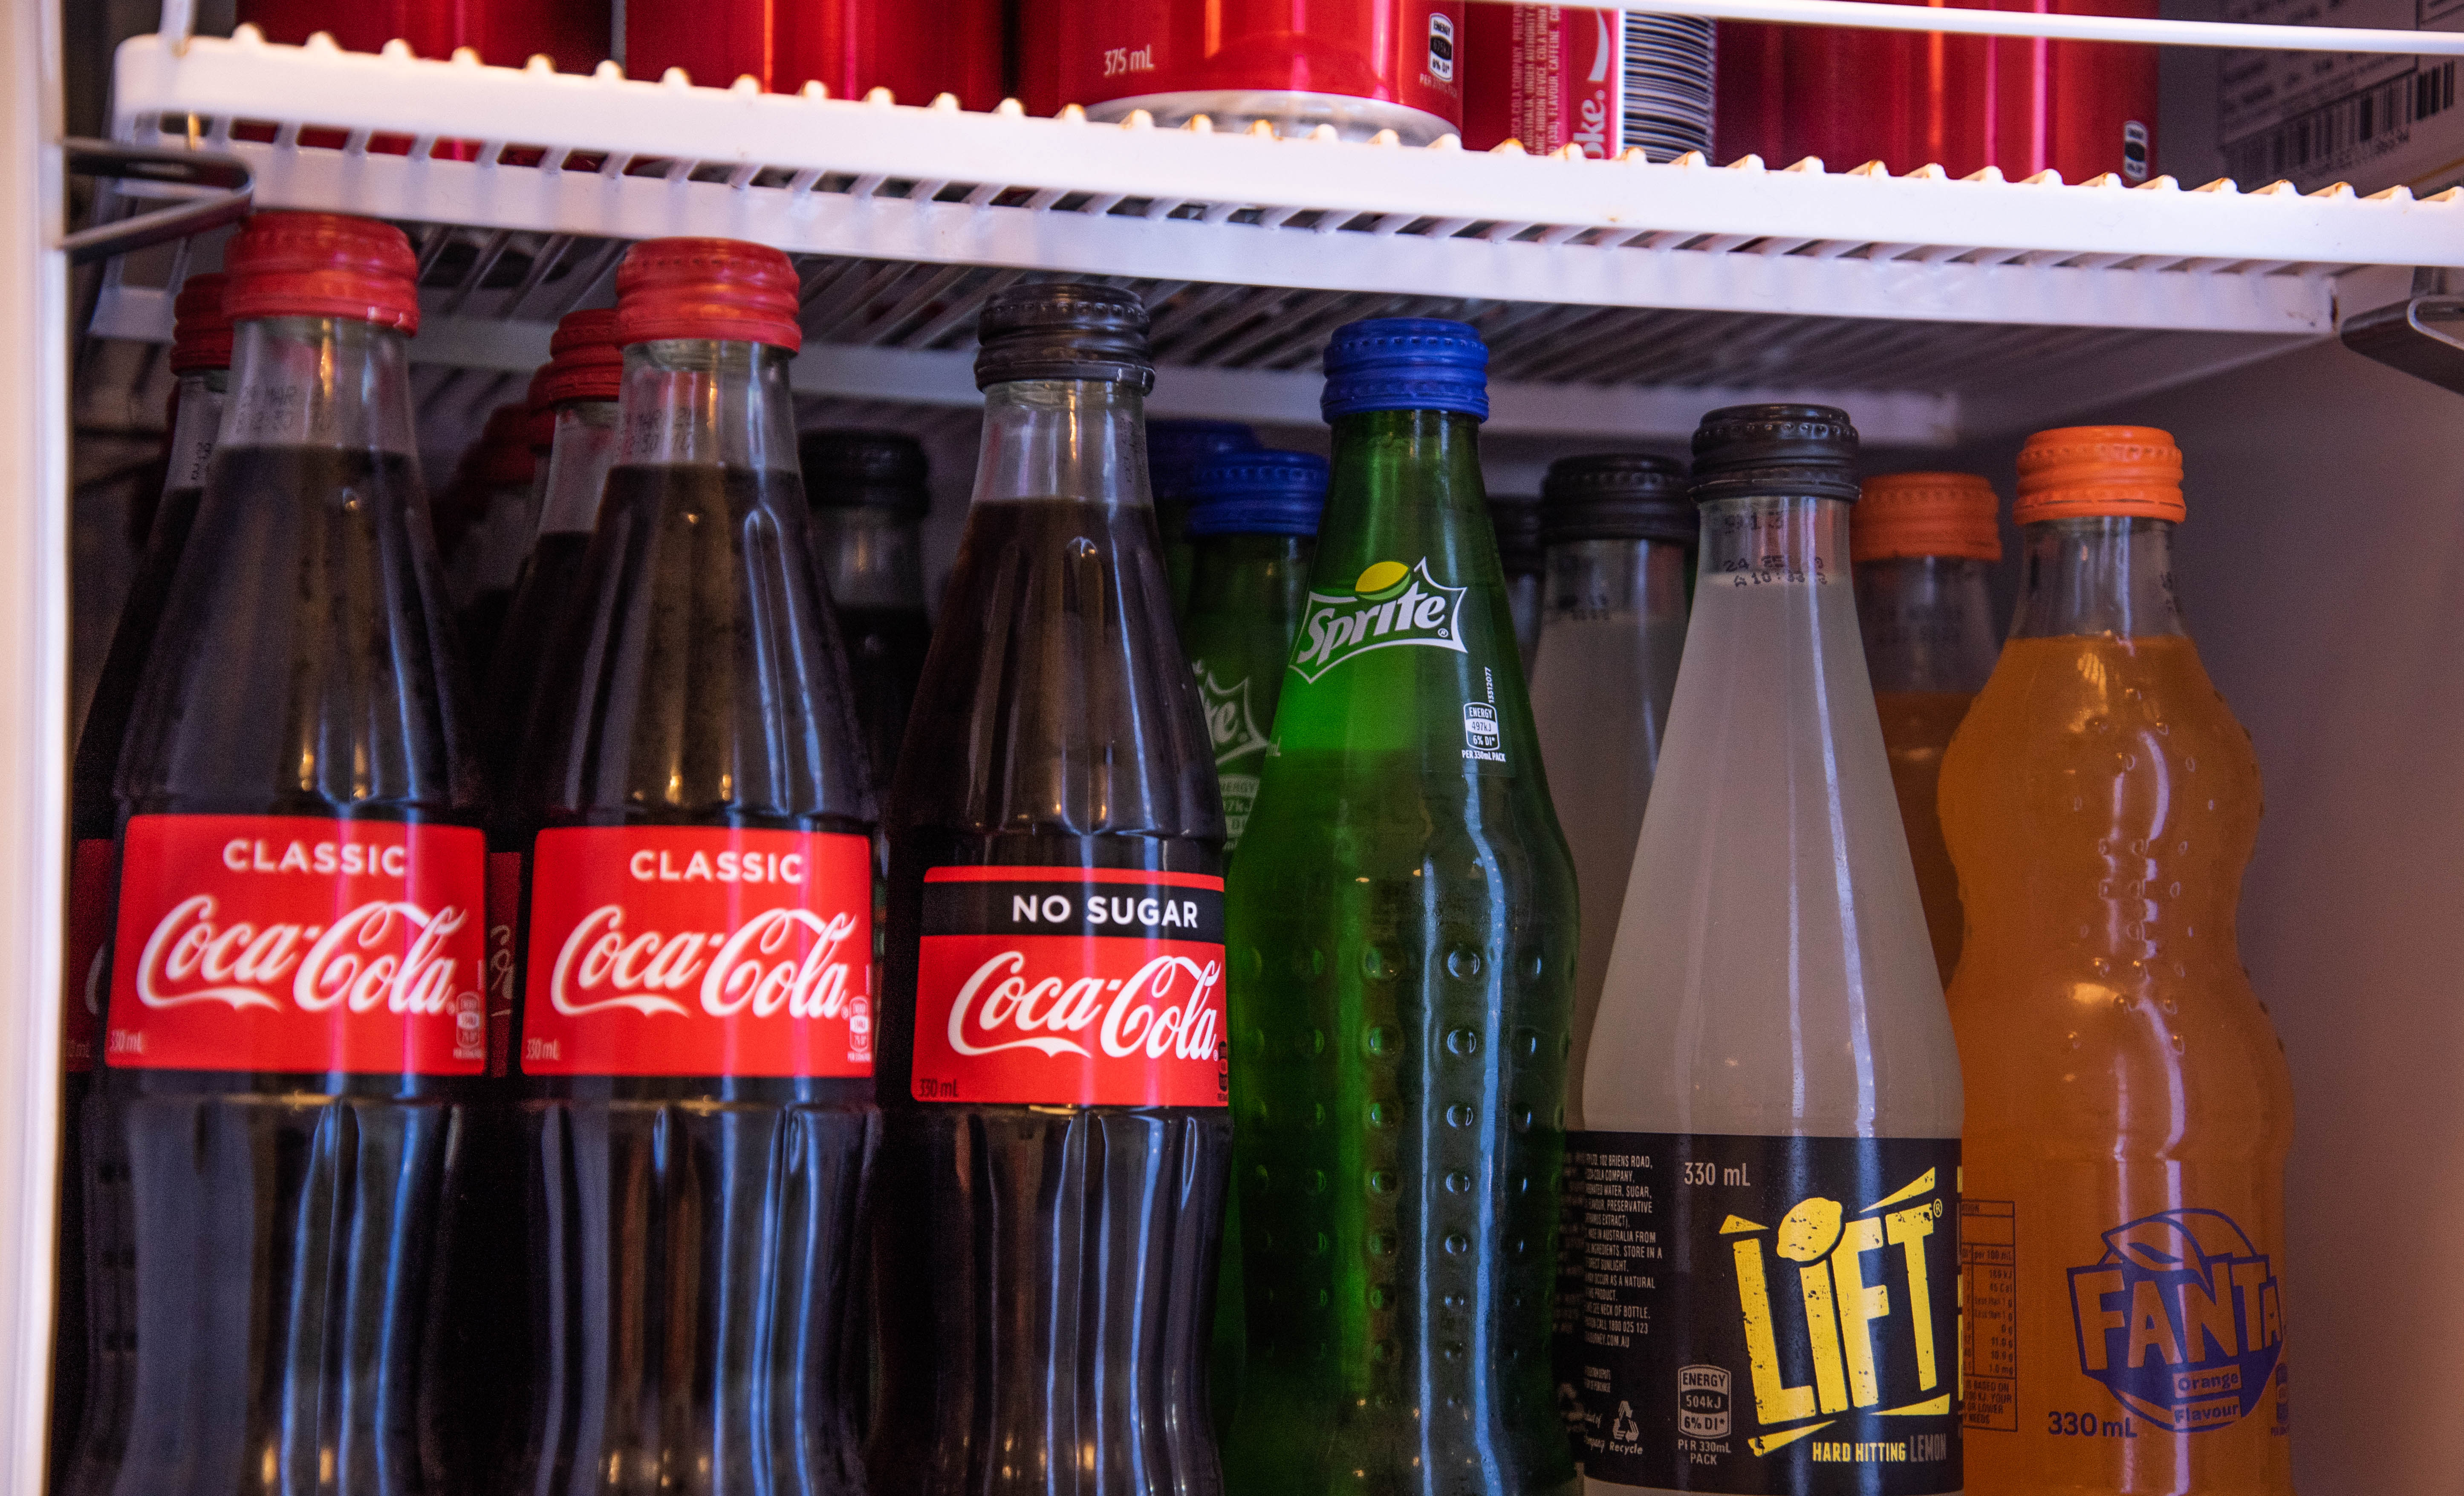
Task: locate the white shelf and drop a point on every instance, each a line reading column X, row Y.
column 1619, row 297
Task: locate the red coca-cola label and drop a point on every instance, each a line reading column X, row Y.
column 698, row 951
column 1070, row 986
column 297, row 943
column 505, row 918
column 90, row 873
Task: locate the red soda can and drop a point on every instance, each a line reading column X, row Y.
column 1361, row 66
column 849, row 47
column 2081, row 108
column 574, row 34
column 1751, row 95
column 1551, row 76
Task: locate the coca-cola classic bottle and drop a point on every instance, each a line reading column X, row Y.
column 1052, row 1075
column 693, row 1039
column 293, row 1031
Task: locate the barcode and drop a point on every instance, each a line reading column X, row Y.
column 1666, row 83
column 2339, row 134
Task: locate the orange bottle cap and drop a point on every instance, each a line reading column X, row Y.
column 2074, row 472
column 1925, row 513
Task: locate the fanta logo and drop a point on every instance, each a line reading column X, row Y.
column 1230, row 725
column 1144, row 1013
column 779, row 960
column 1854, row 1298
column 386, row 954
column 2180, row 1319
column 1389, row 604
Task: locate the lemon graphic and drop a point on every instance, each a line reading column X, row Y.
column 1380, row 579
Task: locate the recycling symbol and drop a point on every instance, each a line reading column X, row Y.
column 1623, row 1429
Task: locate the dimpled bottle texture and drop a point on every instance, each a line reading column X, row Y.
column 1402, row 941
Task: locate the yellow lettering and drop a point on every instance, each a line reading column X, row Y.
column 1861, row 1304
column 1822, row 1327
column 2089, row 1291
column 1775, row 1401
column 1908, row 1231
column 2151, row 1329
column 2209, row 1311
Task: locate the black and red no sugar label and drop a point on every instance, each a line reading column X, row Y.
column 1070, row 986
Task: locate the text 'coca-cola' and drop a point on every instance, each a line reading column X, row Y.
column 698, row 951
column 295, row 943
column 1070, row 986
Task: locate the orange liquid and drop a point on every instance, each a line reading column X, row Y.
column 2128, row 1105
column 1916, row 728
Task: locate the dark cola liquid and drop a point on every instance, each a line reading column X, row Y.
column 693, row 1239
column 884, row 651
column 1046, row 1276
column 515, row 674
column 267, row 1254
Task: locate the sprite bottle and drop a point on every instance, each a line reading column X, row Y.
column 1401, row 937
column 1253, row 526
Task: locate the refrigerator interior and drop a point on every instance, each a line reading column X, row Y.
column 2322, row 566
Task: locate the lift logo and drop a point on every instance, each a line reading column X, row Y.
column 1390, row 603
column 2181, row 1319
column 1853, row 1299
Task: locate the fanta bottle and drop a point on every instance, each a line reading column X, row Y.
column 2128, row 1107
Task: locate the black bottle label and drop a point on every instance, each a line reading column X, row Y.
column 1768, row 1315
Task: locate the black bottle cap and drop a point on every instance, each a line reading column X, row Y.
column 868, row 470
column 1617, row 495
column 1064, row 329
column 1517, row 519
column 1807, row 452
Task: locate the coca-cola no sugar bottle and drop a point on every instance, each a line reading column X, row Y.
column 293, row 1033
column 693, row 1038
column 1052, row 1072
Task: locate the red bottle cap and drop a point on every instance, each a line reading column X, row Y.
column 542, row 411
column 707, row 288
column 201, row 331
column 587, row 360
column 502, row 457
column 321, row 265
column 2129, row 472
column 1924, row 514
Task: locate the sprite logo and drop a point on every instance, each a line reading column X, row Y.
column 1390, row 603
column 1230, row 724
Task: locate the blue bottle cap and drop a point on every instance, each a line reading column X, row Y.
column 1406, row 364
column 1259, row 493
column 1176, row 448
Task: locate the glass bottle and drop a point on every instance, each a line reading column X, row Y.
column 1403, row 947
column 1052, row 1076
column 869, row 497
column 500, row 481
column 1175, row 450
column 1924, row 544
column 1771, row 1103
column 1521, row 555
column 295, row 1039
column 200, row 355
column 2129, row 1105
column 1619, row 530
column 1253, row 523
column 693, row 1040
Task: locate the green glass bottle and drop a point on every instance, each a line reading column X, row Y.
column 1253, row 528
column 1175, row 450
column 1402, row 937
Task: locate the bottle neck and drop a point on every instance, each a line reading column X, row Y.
column 1622, row 578
column 1419, row 459
column 1927, row 622
column 577, row 466
column 1766, row 538
column 2099, row 575
column 319, row 382
column 196, row 421
column 702, row 402
column 1064, row 438
column 873, row 557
